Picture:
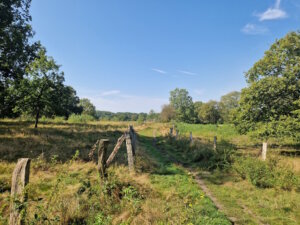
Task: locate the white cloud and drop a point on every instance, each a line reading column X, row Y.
column 159, row 71
column 273, row 13
column 253, row 29
column 108, row 93
column 187, row 72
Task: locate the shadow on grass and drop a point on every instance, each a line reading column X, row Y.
column 19, row 140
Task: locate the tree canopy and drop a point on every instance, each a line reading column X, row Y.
column 270, row 101
column 183, row 105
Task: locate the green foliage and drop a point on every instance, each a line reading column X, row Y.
column 269, row 174
column 168, row 113
column 87, row 107
column 38, row 93
column 16, row 49
column 83, row 118
column 101, row 219
column 270, row 102
column 183, row 105
column 228, row 104
column 209, row 113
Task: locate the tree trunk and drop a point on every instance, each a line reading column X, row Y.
column 37, row 118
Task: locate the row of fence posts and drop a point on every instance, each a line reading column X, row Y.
column 190, row 137
column 20, row 176
column 263, row 150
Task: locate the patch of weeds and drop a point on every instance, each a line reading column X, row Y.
column 266, row 174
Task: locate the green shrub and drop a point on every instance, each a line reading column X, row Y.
column 83, row 118
column 266, row 174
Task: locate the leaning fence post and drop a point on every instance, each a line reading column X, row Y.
column 102, row 150
column 264, row 151
column 20, row 179
column 129, row 152
column 215, row 143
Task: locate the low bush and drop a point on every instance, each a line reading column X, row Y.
column 74, row 118
column 266, row 174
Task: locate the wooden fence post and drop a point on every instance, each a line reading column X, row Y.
column 215, row 143
column 102, row 150
column 115, row 151
column 177, row 133
column 129, row 152
column 191, row 137
column 171, row 131
column 133, row 139
column 20, row 179
column 264, row 151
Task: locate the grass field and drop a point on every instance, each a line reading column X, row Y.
column 65, row 187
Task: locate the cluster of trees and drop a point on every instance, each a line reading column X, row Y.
column 31, row 82
column 182, row 108
column 268, row 107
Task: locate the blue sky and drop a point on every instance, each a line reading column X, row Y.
column 128, row 55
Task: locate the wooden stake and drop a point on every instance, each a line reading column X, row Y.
column 177, row 133
column 215, row 143
column 129, row 152
column 191, row 137
column 264, row 151
column 20, row 179
column 133, row 139
column 115, row 151
column 171, row 131
column 102, row 150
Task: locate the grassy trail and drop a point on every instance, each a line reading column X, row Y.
column 240, row 199
column 173, row 177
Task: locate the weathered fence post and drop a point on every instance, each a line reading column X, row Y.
column 177, row 133
column 20, row 179
column 191, row 137
column 102, row 150
column 115, row 151
column 264, row 151
column 171, row 131
column 133, row 139
column 215, row 143
column 129, row 152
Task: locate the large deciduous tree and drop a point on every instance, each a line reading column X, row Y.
column 39, row 91
column 269, row 106
column 16, row 49
column 183, row 104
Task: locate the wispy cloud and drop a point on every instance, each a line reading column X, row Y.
column 273, row 13
column 159, row 71
column 187, row 72
column 253, row 29
column 108, row 93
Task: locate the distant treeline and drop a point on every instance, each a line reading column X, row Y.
column 126, row 116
